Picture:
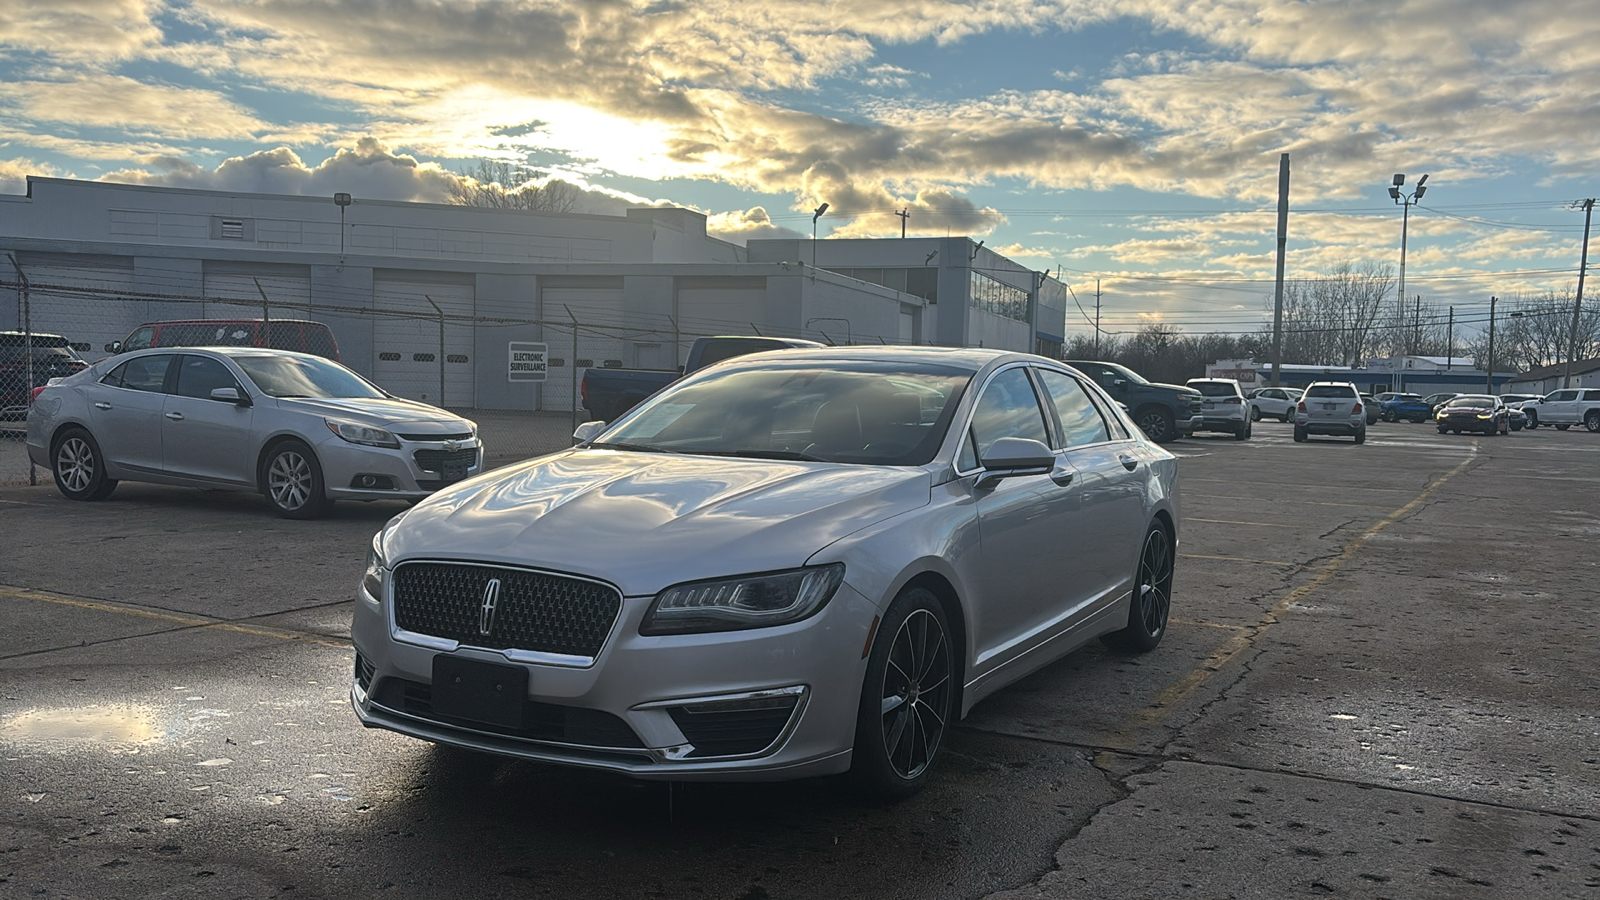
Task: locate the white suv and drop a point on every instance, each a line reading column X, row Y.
column 1330, row 407
column 1569, row 407
column 1277, row 402
column 1222, row 406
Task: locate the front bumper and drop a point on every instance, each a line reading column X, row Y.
column 411, row 472
column 762, row 704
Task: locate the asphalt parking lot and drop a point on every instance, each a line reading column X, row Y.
column 1380, row 681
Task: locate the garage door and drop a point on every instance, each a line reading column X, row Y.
column 287, row 289
column 405, row 337
column 601, row 335
column 719, row 310
column 80, row 297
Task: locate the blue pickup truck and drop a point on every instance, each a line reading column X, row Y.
column 1164, row 412
column 608, row 393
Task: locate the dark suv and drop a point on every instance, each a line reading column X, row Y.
column 53, row 357
column 1164, row 412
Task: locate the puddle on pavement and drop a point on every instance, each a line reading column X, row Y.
column 110, row 726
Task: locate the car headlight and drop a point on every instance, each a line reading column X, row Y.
column 356, row 433
column 1485, row 415
column 748, row 601
column 377, row 569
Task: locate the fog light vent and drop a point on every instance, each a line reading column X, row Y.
column 740, row 727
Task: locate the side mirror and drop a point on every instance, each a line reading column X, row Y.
column 1120, row 384
column 114, row 347
column 1010, row 457
column 587, row 432
column 230, row 395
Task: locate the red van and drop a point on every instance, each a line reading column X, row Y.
column 280, row 334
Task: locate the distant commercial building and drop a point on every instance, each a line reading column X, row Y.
column 1585, row 374
column 420, row 295
column 1413, row 374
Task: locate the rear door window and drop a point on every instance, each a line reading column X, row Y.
column 1081, row 422
column 145, row 373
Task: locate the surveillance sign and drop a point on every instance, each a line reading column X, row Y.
column 527, row 361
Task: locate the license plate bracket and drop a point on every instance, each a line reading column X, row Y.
column 479, row 691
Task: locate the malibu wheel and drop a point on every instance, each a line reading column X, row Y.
column 907, row 699
column 291, row 479
column 78, row 467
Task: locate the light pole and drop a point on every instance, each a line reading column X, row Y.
column 1400, row 196
column 814, row 217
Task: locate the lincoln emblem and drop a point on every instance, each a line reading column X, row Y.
column 491, row 597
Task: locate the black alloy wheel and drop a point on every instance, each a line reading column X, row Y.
column 1157, row 424
column 78, row 467
column 1151, row 601
column 908, row 697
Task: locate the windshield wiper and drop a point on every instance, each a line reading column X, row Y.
column 765, row 454
column 637, row 448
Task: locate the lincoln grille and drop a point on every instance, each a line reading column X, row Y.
column 434, row 460
column 533, row 611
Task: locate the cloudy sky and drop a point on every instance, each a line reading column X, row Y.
column 1132, row 142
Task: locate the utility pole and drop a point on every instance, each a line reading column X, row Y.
column 1416, row 328
column 1283, row 242
column 1488, row 375
column 904, row 214
column 1577, row 304
column 1450, row 341
column 1097, row 318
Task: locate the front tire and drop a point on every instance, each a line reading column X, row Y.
column 1533, row 419
column 291, row 480
column 1152, row 595
column 1562, row 427
column 1255, row 413
column 1157, row 425
column 79, row 468
column 908, row 697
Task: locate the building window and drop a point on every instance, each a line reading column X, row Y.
column 999, row 298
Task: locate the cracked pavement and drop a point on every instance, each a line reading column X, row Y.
column 1379, row 681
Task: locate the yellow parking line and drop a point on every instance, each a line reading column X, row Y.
column 1174, row 695
column 1243, row 559
column 174, row 618
column 1231, row 522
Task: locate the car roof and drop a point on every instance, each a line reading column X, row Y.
column 973, row 358
column 224, row 351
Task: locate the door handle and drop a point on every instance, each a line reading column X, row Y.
column 175, row 416
column 1129, row 462
column 101, row 404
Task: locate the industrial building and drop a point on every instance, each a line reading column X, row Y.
column 427, row 299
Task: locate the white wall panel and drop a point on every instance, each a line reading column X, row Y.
column 405, row 342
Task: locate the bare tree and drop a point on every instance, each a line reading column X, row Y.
column 1532, row 331
column 502, row 185
column 1332, row 321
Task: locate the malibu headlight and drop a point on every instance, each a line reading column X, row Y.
column 356, row 433
column 747, row 601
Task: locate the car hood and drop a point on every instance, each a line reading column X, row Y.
column 643, row 521
column 1180, row 388
column 384, row 412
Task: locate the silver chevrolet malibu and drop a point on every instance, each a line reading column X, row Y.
column 302, row 430
column 786, row 565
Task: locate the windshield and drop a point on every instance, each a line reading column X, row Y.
column 296, row 376
column 1470, row 400
column 871, row 413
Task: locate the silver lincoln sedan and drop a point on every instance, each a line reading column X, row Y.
column 303, row 430
column 788, row 564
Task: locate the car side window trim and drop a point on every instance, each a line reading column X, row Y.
column 966, row 435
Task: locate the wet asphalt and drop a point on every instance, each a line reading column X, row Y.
column 1380, row 681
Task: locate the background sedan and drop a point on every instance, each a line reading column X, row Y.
column 302, row 430
column 1474, row 412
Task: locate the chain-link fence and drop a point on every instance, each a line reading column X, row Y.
column 519, row 375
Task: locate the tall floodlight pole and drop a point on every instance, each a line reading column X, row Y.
column 814, row 217
column 1577, row 304
column 1283, row 241
column 1400, row 196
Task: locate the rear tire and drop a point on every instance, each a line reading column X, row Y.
column 907, row 699
column 1242, row 432
column 1562, row 427
column 1299, row 435
column 1361, row 436
column 291, row 480
column 1152, row 595
column 1592, row 421
column 79, row 468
